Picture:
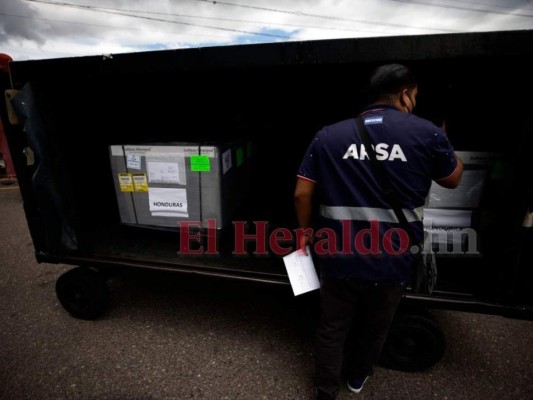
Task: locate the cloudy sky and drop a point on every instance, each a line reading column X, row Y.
column 35, row 29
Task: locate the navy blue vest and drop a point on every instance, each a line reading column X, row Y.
column 360, row 235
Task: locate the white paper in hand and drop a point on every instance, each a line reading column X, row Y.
column 301, row 271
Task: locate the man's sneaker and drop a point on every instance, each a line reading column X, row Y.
column 355, row 385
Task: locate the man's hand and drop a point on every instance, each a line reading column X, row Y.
column 304, row 239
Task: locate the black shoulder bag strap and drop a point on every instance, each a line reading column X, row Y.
column 383, row 178
column 424, row 274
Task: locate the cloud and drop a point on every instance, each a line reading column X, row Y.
column 37, row 29
column 18, row 21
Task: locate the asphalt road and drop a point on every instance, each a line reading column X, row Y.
column 168, row 336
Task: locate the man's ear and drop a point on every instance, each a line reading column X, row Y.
column 403, row 103
column 402, row 99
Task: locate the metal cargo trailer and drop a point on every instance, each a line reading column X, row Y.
column 72, row 110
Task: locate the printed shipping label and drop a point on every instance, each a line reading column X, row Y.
column 125, row 182
column 168, row 202
column 133, row 161
column 200, row 163
column 226, row 161
column 140, row 182
column 166, row 168
column 239, row 155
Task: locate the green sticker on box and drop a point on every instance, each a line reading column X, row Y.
column 200, row 164
column 239, row 156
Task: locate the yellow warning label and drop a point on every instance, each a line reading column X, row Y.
column 140, row 183
column 125, row 182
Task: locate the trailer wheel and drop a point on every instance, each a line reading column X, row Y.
column 83, row 293
column 415, row 343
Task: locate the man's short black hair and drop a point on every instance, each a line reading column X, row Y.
column 389, row 80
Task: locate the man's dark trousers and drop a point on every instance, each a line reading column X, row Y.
column 374, row 305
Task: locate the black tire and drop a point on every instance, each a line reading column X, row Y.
column 415, row 343
column 83, row 293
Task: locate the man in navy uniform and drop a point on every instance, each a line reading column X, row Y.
column 364, row 269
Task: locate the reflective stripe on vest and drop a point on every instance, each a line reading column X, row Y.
column 369, row 214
